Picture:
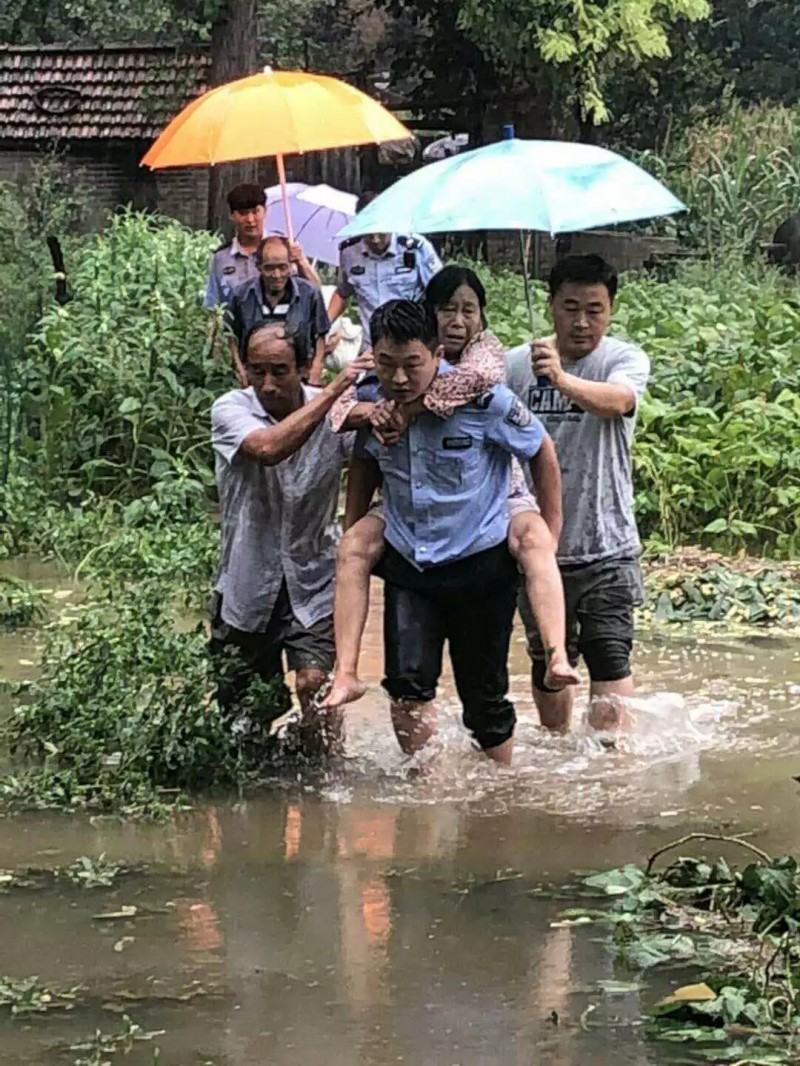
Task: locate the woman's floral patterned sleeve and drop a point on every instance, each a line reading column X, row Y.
column 340, row 411
column 482, row 366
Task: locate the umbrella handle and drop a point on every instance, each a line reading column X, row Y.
column 542, row 382
column 285, row 197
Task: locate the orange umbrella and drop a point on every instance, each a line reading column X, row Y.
column 272, row 113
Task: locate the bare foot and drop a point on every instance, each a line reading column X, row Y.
column 559, row 674
column 346, row 688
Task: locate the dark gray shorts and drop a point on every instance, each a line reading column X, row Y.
column 600, row 599
column 305, row 647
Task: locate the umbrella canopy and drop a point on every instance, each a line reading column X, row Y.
column 273, row 113
column 549, row 186
column 317, row 214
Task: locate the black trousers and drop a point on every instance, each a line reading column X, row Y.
column 470, row 604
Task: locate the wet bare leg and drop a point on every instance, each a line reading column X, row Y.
column 502, row 753
column 360, row 549
column 414, row 724
column 607, row 703
column 321, row 729
column 555, row 709
column 531, row 544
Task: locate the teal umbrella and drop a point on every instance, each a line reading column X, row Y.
column 547, row 186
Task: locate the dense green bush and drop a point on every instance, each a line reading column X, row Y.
column 739, row 177
column 118, row 383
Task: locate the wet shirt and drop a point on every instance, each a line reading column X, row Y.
column 301, row 307
column 278, row 522
column 401, row 273
column 230, row 268
column 594, row 453
column 446, row 481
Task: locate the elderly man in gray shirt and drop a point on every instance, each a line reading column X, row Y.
column 278, row 469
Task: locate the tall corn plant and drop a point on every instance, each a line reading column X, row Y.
column 119, row 381
column 740, row 177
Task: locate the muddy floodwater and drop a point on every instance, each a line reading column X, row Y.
column 365, row 918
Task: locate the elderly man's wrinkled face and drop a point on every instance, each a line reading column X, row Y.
column 274, row 267
column 272, row 371
column 377, row 243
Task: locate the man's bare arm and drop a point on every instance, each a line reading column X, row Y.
column 233, row 348
column 546, row 477
column 363, row 481
column 358, row 416
column 317, row 363
column 275, row 443
column 606, row 399
column 337, row 306
column 304, row 268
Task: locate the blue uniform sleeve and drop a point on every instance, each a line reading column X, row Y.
column 511, row 425
column 213, row 295
column 429, row 261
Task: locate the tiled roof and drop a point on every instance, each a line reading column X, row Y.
column 114, row 93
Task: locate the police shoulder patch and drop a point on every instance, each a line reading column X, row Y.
column 485, row 400
column 223, row 247
column 518, row 414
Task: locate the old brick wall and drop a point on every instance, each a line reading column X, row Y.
column 110, row 177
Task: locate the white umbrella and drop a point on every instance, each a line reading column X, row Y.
column 318, row 212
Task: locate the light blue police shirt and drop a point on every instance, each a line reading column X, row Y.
column 445, row 482
column 230, row 267
column 401, row 273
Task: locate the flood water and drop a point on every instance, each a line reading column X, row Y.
column 371, row 919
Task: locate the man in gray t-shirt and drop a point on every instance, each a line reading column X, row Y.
column 585, row 387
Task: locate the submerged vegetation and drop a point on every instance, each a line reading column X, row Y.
column 735, row 932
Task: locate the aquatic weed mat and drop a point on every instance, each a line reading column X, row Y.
column 733, row 931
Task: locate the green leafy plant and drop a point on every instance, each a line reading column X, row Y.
column 96, row 1051
column 20, row 603
column 740, row 927
column 124, row 715
column 93, row 873
column 28, row 996
column 130, row 353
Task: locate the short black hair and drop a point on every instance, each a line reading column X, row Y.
column 451, row 277
column 246, row 196
column 271, row 238
column 297, row 338
column 403, row 321
column 583, row 270
column 365, row 199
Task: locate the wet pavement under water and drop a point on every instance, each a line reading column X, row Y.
column 372, row 919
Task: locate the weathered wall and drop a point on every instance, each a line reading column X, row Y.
column 111, row 177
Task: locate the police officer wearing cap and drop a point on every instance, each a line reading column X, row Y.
column 381, row 267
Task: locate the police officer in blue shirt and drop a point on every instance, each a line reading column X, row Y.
column 447, row 571
column 381, row 267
